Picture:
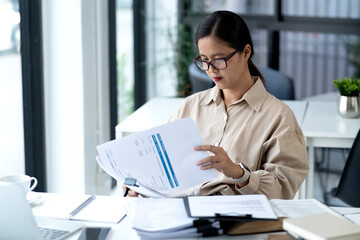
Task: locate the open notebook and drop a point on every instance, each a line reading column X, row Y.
column 18, row 222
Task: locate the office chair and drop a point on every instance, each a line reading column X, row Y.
column 348, row 189
column 277, row 83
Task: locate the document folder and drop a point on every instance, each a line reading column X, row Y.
column 241, row 214
column 230, row 208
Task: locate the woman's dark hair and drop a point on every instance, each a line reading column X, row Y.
column 230, row 28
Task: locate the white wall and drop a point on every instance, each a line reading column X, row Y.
column 76, row 99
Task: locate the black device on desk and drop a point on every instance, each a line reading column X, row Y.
column 348, row 190
column 95, row 233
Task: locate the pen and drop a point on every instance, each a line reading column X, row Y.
column 126, row 191
column 81, row 206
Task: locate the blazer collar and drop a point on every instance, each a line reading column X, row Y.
column 255, row 96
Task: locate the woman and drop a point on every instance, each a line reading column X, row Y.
column 242, row 124
column 253, row 139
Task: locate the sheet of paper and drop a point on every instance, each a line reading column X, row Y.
column 208, row 206
column 56, row 205
column 130, row 207
column 354, row 217
column 103, row 209
column 299, row 208
column 163, row 214
column 160, row 158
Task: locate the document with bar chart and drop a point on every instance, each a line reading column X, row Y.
column 162, row 160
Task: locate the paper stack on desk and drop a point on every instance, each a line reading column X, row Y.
column 195, row 216
column 299, row 207
column 166, row 218
column 161, row 159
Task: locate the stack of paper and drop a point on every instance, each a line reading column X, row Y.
column 299, row 207
column 233, row 215
column 166, row 218
column 159, row 159
column 202, row 216
column 354, row 217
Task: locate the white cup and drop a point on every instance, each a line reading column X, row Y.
column 23, row 181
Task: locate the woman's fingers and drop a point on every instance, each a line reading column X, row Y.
column 133, row 193
column 219, row 161
column 209, row 148
column 205, row 161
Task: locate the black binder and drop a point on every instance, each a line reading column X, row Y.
column 207, row 228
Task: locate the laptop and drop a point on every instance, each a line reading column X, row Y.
column 18, row 222
column 348, row 189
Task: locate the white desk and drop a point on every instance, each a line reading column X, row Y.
column 299, row 109
column 324, row 127
column 155, row 112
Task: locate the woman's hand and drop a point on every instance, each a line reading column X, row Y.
column 220, row 161
column 130, row 193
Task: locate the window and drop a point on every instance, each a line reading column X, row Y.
column 11, row 108
column 124, row 58
column 315, row 59
column 260, row 42
column 322, row 8
column 313, row 42
column 161, row 39
column 21, row 108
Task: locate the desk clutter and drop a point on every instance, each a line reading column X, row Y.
column 200, row 216
column 195, row 216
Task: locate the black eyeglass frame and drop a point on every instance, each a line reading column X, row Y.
column 197, row 60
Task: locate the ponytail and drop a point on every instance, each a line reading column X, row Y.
column 254, row 71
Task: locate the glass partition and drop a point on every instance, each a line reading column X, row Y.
column 313, row 60
column 322, row 8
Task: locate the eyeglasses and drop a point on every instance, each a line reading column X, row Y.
column 217, row 63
